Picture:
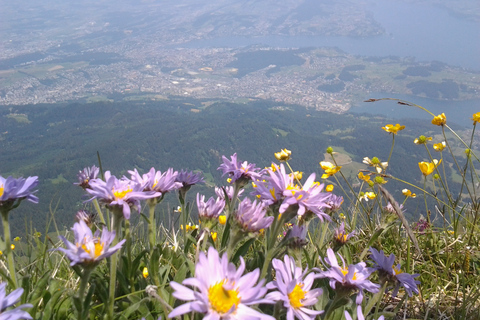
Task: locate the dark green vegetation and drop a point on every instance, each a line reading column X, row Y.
column 56, row 141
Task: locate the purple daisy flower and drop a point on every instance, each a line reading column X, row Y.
column 296, row 237
column 389, row 272
column 309, row 199
column 156, row 180
column 210, row 209
column 353, row 277
column 240, row 173
column 189, row 178
column 334, row 203
column 86, row 175
column 7, row 301
column 89, row 248
column 391, row 209
column 120, row 193
column 221, row 291
column 341, row 237
column 281, row 187
column 271, row 190
column 15, row 190
column 250, row 216
column 294, row 289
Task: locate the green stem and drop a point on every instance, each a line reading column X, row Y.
column 8, row 249
column 82, row 313
column 99, row 211
column 117, row 216
column 391, row 149
column 152, row 225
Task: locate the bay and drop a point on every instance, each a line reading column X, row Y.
column 423, row 31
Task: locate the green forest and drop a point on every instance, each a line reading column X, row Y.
column 55, row 141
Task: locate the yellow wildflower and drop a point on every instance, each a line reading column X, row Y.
column 329, row 188
column 12, row 246
column 422, row 140
column 17, row 239
column 229, row 180
column 476, row 117
column 376, row 163
column 283, row 155
column 439, row 120
column 298, row 175
column 214, row 236
column 407, row 193
column 390, row 128
column 428, row 167
column 145, row 272
column 367, row 196
column 330, row 169
column 364, row 177
column 439, row 146
column 380, row 180
column 370, row 195
column 222, row 220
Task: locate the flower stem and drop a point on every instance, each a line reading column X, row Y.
column 82, row 313
column 99, row 211
column 116, row 223
column 8, row 249
column 152, row 226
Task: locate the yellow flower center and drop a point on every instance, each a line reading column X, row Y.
column 120, row 194
column 397, row 271
column 2, row 190
column 343, row 239
column 221, row 299
column 296, row 296
column 97, row 251
column 272, row 192
column 345, row 271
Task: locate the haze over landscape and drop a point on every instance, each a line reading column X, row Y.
column 322, row 55
column 118, row 55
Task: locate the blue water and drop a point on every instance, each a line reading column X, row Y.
column 422, row 31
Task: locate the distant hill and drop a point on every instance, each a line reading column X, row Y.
column 56, row 141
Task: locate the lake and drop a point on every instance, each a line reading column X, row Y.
column 423, row 31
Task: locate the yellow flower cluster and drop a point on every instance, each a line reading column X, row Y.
column 476, row 117
column 422, row 140
column 376, row 163
column 390, row 128
column 283, row 155
column 439, row 120
column 407, row 193
column 189, row 227
column 222, row 220
column 428, row 167
column 364, row 177
column 330, row 169
column 439, row 146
